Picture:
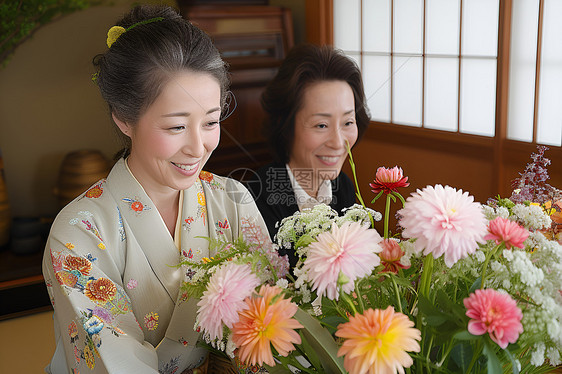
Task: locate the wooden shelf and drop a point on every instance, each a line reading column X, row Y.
column 22, row 288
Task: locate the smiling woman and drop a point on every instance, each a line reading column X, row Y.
column 316, row 109
column 111, row 264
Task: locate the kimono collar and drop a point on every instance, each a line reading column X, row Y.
column 143, row 221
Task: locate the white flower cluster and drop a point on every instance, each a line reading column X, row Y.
column 308, row 222
column 490, row 213
column 311, row 222
column 358, row 213
column 536, row 275
column 533, row 217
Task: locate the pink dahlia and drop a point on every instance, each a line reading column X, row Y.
column 391, row 255
column 444, row 221
column 389, row 180
column 347, row 252
column 507, row 231
column 494, row 313
column 224, row 298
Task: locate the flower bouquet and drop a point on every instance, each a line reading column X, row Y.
column 460, row 287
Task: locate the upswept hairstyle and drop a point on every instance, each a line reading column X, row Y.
column 283, row 96
column 133, row 71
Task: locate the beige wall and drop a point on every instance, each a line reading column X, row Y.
column 49, row 106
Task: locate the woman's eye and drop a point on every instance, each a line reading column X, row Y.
column 212, row 123
column 349, row 123
column 321, row 126
column 177, row 128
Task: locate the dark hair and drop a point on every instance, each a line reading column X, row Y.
column 133, row 71
column 283, row 96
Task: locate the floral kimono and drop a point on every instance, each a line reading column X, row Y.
column 110, row 266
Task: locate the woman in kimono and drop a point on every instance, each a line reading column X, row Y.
column 316, row 107
column 111, row 261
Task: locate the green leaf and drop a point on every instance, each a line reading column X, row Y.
column 477, row 283
column 310, row 352
column 465, row 335
column 462, row 355
column 304, row 241
column 277, row 369
column 322, row 342
column 331, row 322
column 514, row 368
column 494, row 365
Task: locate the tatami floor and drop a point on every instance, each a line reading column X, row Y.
column 26, row 343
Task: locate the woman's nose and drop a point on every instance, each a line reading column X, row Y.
column 336, row 139
column 194, row 145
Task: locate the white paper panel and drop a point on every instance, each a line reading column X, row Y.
column 408, row 30
column 550, row 88
column 376, row 79
column 441, row 93
column 407, row 90
column 478, row 96
column 442, row 24
column 347, row 25
column 523, row 53
column 376, row 26
column 480, row 27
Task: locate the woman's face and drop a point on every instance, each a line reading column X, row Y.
column 323, row 125
column 174, row 138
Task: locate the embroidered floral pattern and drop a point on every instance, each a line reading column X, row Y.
column 69, row 246
column 253, row 233
column 210, row 180
column 103, row 314
column 89, row 357
column 100, row 290
column 186, row 225
column 132, row 284
column 121, row 228
column 220, row 226
column 206, row 176
column 171, row 367
column 95, row 192
column 187, row 254
column 86, row 218
column 101, row 246
column 136, row 205
column 93, row 325
column 151, row 321
column 73, row 331
column 78, row 263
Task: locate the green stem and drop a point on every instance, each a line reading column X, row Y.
column 485, row 267
column 337, row 307
column 475, row 356
column 427, row 272
column 358, row 193
column 397, row 293
column 349, row 302
column 445, row 354
column 427, row 360
column 359, row 298
column 386, row 214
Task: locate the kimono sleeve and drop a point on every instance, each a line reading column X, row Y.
column 252, row 225
column 97, row 330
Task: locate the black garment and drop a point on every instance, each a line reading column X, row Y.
column 275, row 198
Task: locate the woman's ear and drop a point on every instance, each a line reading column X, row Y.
column 123, row 126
